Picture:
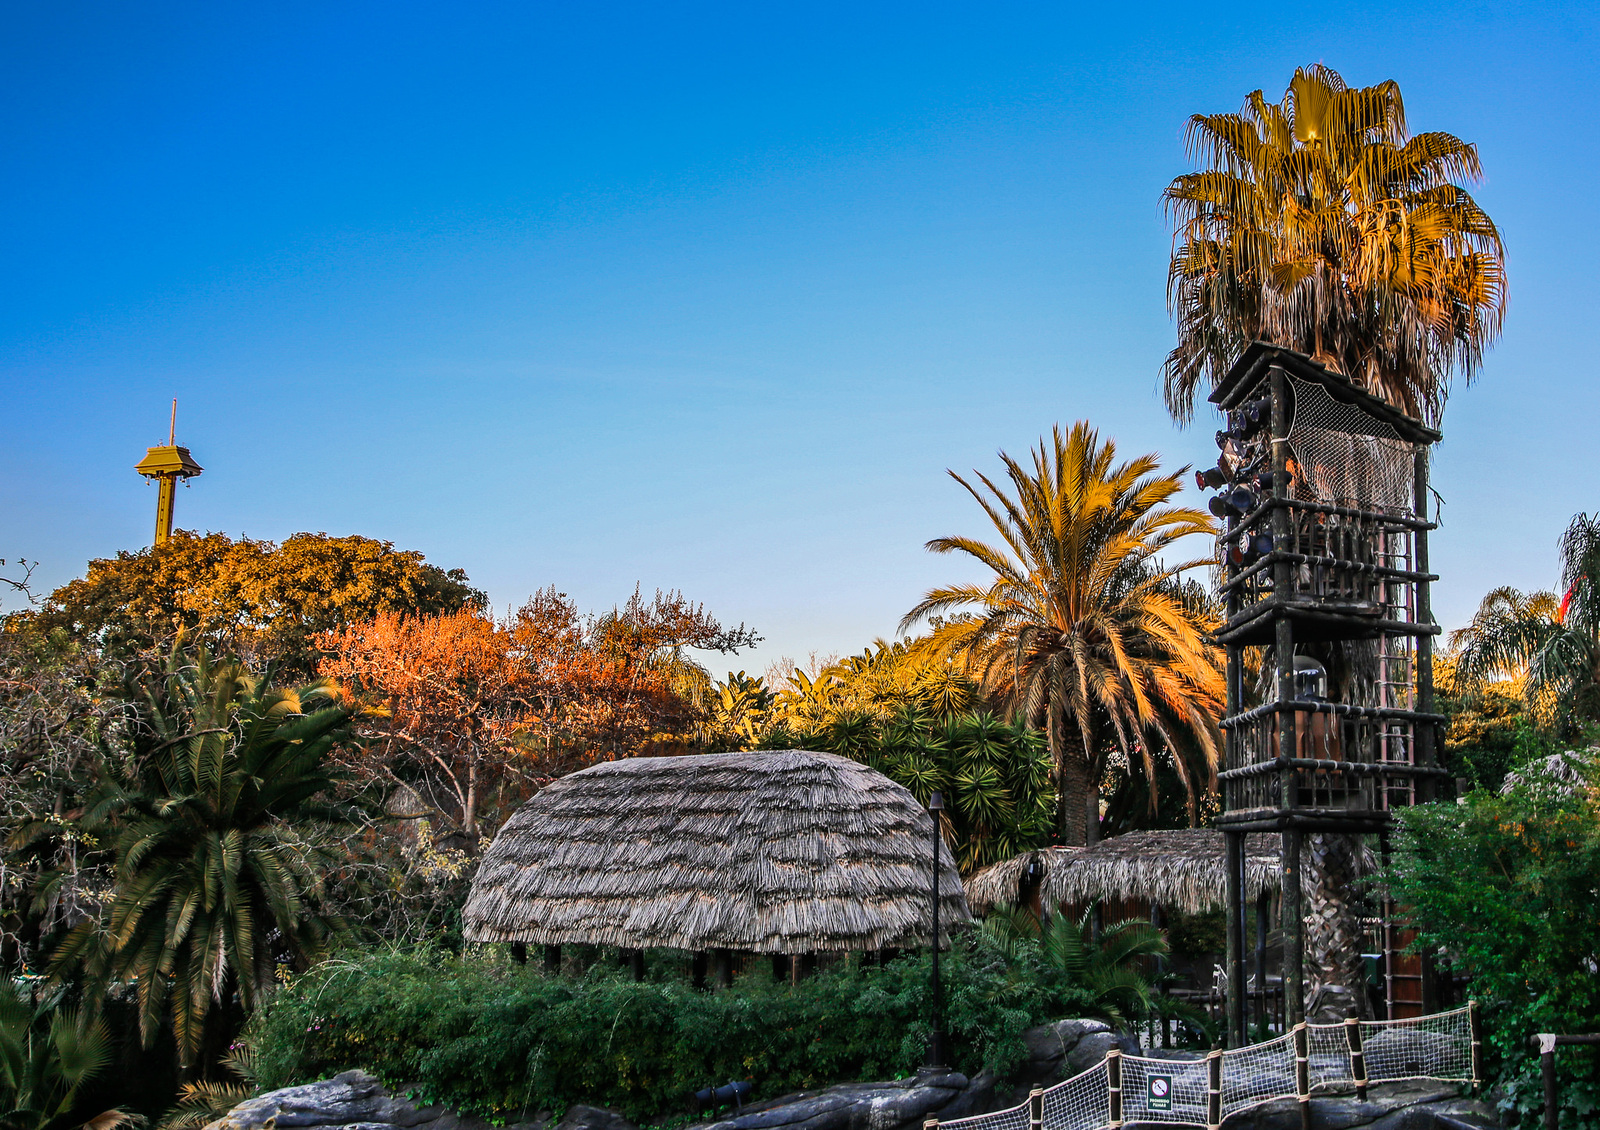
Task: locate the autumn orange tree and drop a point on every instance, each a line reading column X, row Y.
column 464, row 704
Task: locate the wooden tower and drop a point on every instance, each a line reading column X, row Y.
column 165, row 466
column 1323, row 490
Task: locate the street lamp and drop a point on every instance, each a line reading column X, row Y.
column 936, row 1060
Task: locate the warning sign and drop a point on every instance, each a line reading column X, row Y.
column 1158, row 1092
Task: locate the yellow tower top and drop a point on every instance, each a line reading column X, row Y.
column 166, row 465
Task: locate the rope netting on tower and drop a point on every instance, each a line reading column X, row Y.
column 1201, row 1092
column 1348, row 457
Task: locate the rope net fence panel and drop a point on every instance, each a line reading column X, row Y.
column 1081, row 1103
column 1426, row 1047
column 1347, row 457
column 1175, row 1090
column 1258, row 1073
column 1164, row 1090
column 1013, row 1118
column 1330, row 1056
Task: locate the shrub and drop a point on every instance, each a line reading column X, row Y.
column 1508, row 887
column 491, row 1038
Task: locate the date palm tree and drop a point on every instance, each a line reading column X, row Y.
column 1082, row 629
column 1553, row 646
column 220, row 832
column 1321, row 224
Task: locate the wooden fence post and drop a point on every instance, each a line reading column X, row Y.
column 1475, row 1024
column 1036, row 1109
column 1358, row 1058
column 1302, row 1073
column 1214, row 1090
column 1114, row 1088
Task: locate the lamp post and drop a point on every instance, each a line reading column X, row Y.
column 936, row 1060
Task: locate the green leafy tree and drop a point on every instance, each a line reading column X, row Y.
column 221, row 830
column 1320, row 223
column 253, row 598
column 48, row 1054
column 1506, row 887
column 1079, row 629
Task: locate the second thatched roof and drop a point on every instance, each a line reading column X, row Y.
column 1182, row 869
column 774, row 852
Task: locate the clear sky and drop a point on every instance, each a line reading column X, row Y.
column 703, row 297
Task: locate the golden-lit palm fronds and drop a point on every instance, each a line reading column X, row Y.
column 1318, row 223
column 1082, row 628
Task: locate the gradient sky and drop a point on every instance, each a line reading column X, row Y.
column 703, row 297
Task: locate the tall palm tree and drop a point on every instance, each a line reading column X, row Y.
column 220, row 832
column 1082, row 628
column 1320, row 224
column 1554, row 646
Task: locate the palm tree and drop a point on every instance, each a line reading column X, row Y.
column 220, row 832
column 47, row 1054
column 1082, row 629
column 1107, row 965
column 1553, row 646
column 1318, row 223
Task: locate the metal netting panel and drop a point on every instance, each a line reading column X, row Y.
column 1329, row 1048
column 1080, row 1103
column 1257, row 1074
column 1014, row 1118
column 1347, row 457
column 1427, row 1047
column 1184, row 1097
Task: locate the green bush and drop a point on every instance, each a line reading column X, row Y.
column 492, row 1038
column 1508, row 887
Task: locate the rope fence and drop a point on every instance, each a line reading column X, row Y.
column 1309, row 1059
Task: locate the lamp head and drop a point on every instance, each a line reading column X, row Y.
column 936, row 802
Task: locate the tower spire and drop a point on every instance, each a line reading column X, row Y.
column 166, row 465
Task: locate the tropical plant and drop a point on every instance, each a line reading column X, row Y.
column 994, row 776
column 47, row 1055
column 202, row 1102
column 1321, row 224
column 1553, row 647
column 1109, row 965
column 221, row 830
column 1082, row 630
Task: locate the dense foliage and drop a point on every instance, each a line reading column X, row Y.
column 1509, row 888
column 492, row 1038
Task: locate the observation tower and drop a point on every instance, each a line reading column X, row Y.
column 166, row 465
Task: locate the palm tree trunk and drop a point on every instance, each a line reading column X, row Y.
column 1337, row 985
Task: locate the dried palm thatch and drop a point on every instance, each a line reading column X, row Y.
column 773, row 852
column 1183, row 869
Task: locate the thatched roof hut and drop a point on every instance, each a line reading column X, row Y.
column 1182, row 869
column 787, row 852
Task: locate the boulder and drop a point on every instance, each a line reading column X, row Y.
column 1389, row 1106
column 903, row 1103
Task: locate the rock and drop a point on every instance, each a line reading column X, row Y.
column 1389, row 1106
column 593, row 1118
column 903, row 1103
column 1092, row 1049
column 350, row 1099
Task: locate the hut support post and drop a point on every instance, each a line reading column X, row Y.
column 636, row 964
column 1214, row 1091
column 519, row 952
column 1036, row 1109
column 1113, row 1089
column 697, row 971
column 723, row 962
column 1236, row 983
column 1263, row 915
column 552, row 959
column 1358, row 1059
column 1294, row 942
column 1302, row 1072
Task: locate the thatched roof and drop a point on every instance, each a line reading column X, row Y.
column 1183, row 869
column 776, row 852
column 1564, row 774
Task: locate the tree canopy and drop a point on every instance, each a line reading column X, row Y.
column 254, row 598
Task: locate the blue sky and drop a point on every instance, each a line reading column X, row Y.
column 703, row 297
